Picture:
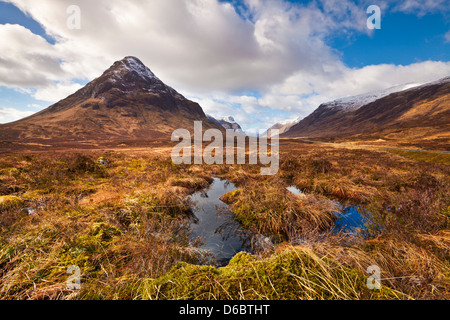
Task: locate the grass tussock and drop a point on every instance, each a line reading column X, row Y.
column 294, row 273
column 271, row 210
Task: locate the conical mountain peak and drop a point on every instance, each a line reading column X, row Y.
column 132, row 65
column 129, row 76
column 126, row 102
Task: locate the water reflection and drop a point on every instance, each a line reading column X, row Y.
column 352, row 219
column 213, row 222
column 294, row 190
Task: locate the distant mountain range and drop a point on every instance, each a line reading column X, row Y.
column 408, row 110
column 127, row 102
column 227, row 123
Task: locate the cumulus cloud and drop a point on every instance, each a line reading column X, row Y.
column 208, row 50
column 196, row 44
column 301, row 94
column 26, row 60
column 342, row 81
column 421, row 7
column 56, row 91
column 11, row 114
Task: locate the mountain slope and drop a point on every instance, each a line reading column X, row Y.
column 126, row 102
column 419, row 111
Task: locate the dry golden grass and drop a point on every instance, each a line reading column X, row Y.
column 269, row 209
column 125, row 224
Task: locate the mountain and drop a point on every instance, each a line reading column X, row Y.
column 420, row 111
column 127, row 102
column 282, row 127
column 355, row 102
column 348, row 104
column 227, row 123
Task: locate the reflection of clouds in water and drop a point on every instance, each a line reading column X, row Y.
column 223, row 236
column 294, row 190
column 354, row 220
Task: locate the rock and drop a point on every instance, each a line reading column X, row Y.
column 103, row 161
column 262, row 243
column 30, row 211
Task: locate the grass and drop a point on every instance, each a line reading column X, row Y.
column 291, row 274
column 443, row 158
column 126, row 225
column 269, row 209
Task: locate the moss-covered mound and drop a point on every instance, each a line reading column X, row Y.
column 295, row 273
column 7, row 202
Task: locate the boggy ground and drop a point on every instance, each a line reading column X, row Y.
column 125, row 225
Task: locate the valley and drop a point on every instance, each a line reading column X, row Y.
column 90, row 184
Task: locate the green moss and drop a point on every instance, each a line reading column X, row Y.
column 424, row 156
column 242, row 258
column 231, row 197
column 292, row 274
column 99, row 235
column 104, row 232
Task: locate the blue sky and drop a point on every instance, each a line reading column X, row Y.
column 403, row 39
column 261, row 61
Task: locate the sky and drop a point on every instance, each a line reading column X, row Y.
column 260, row 61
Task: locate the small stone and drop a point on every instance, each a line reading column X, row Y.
column 103, row 161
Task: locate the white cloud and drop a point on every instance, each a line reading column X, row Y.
column 447, row 36
column 10, row 114
column 207, row 51
column 295, row 94
column 200, row 45
column 26, row 59
column 343, row 81
column 421, row 7
column 56, row 91
column 34, row 106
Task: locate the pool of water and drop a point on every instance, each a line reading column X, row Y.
column 213, row 222
column 294, row 190
column 223, row 237
column 351, row 219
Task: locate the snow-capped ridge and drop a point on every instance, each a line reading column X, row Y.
column 353, row 103
column 294, row 121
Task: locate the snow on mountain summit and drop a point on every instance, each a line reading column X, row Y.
column 131, row 75
column 355, row 102
column 229, row 119
column 134, row 64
